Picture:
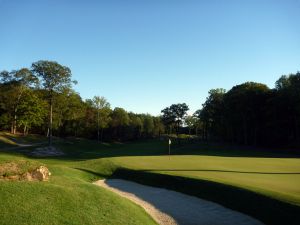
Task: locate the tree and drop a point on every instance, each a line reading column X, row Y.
column 148, row 125
column 287, row 102
column 191, row 122
column 54, row 78
column 32, row 111
column 103, row 114
column 68, row 112
column 136, row 125
column 159, row 127
column 244, row 111
column 119, row 119
column 17, row 83
column 212, row 114
column 168, row 118
column 175, row 114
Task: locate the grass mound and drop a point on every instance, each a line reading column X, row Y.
column 67, row 198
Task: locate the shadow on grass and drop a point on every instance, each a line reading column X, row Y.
column 226, row 171
column 96, row 174
column 79, row 150
column 85, row 150
column 268, row 210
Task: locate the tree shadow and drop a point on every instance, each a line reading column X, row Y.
column 97, row 174
column 158, row 148
column 222, row 171
column 80, row 150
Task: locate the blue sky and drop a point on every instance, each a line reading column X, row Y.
column 144, row 55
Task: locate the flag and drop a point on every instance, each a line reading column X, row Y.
column 170, row 142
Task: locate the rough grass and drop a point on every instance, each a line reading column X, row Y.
column 13, row 140
column 17, row 167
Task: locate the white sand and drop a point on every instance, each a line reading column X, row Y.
column 170, row 207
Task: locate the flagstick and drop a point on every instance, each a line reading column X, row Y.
column 169, row 149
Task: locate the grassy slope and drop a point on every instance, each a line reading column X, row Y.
column 70, row 193
column 10, row 140
column 68, row 198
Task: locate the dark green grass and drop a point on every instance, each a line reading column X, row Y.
column 12, row 140
column 81, row 149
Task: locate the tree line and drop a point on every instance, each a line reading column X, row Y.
column 41, row 100
column 253, row 114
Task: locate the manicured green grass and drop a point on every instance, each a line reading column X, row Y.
column 71, row 198
column 275, row 177
column 273, row 174
column 68, row 198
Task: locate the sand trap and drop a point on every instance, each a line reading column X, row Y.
column 47, row 151
column 170, row 207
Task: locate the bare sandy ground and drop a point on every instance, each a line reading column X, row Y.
column 169, row 207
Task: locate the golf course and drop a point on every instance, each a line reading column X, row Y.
column 144, row 112
column 69, row 197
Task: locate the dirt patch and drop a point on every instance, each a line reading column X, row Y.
column 24, row 170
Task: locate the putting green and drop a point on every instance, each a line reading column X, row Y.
column 275, row 177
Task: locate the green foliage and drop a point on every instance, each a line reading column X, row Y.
column 253, row 114
column 15, row 87
column 249, row 113
column 120, row 118
column 32, row 111
column 174, row 116
column 54, row 77
column 103, row 114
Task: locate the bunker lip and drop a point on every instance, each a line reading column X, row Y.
column 169, row 207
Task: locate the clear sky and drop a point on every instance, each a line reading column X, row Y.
column 144, row 55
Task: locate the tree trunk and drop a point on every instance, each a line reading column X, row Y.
column 50, row 123
column 98, row 131
column 15, row 123
column 101, row 134
column 24, row 130
column 12, row 127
